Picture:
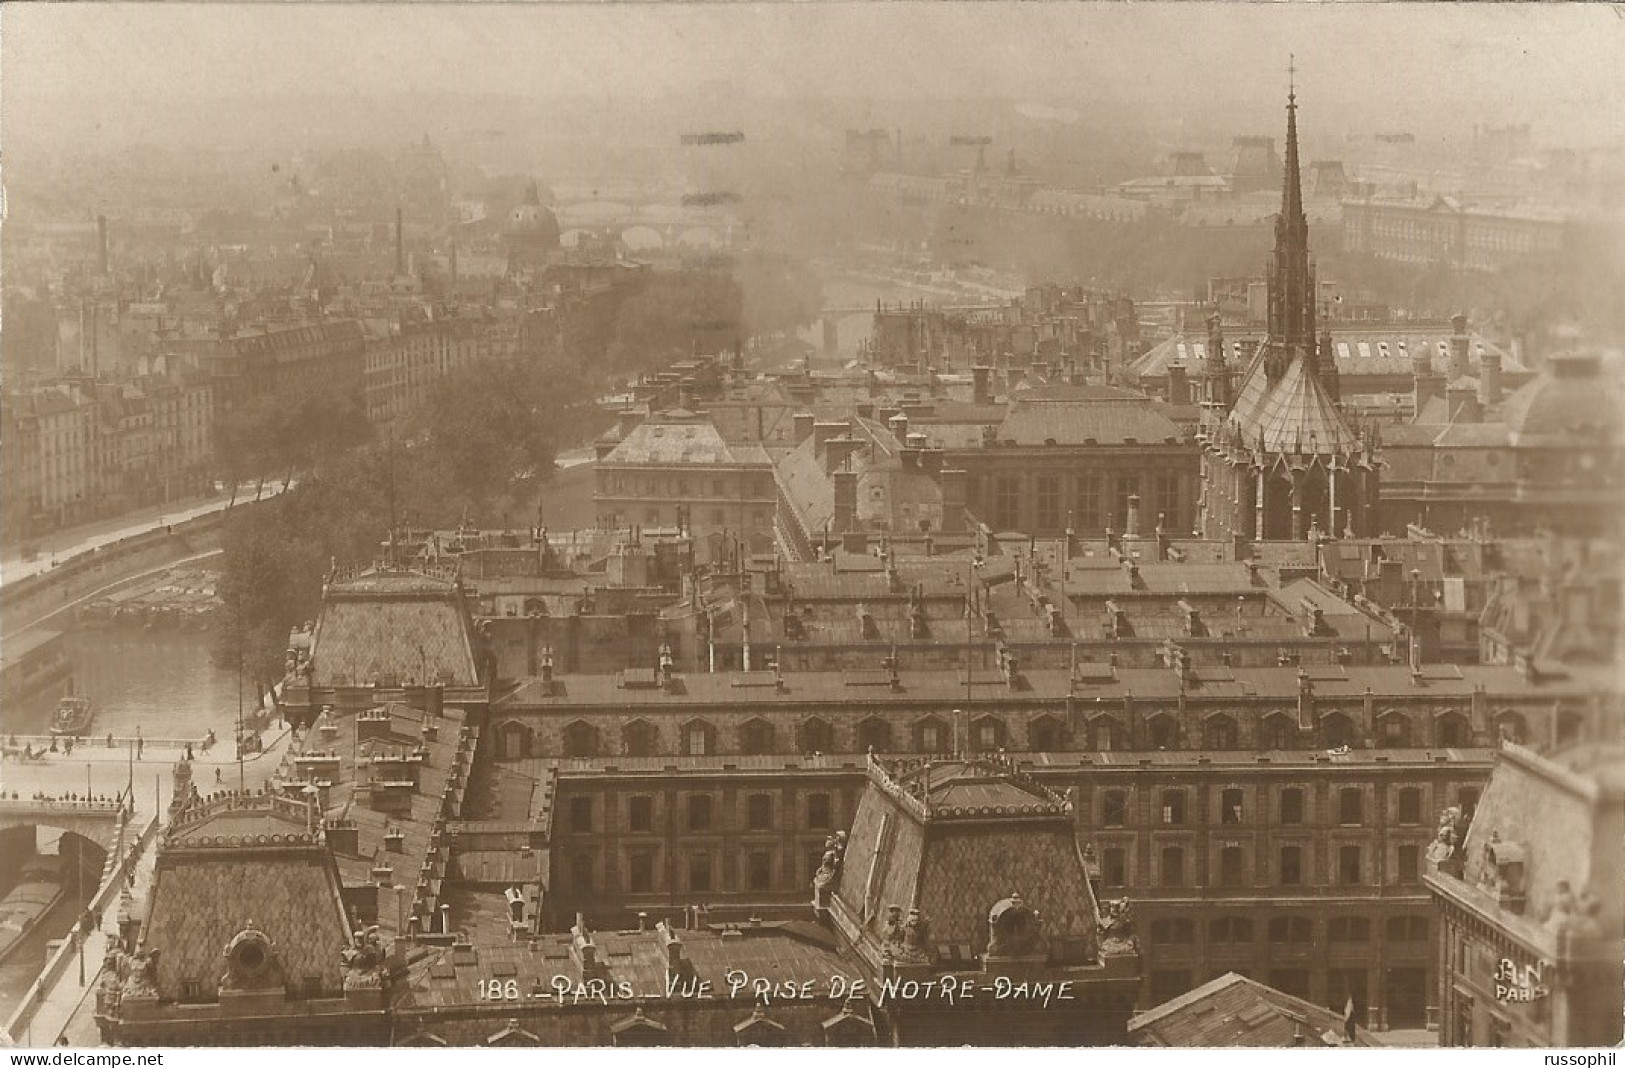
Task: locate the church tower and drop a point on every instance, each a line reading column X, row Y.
column 1279, row 459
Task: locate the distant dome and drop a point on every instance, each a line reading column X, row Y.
column 531, row 225
column 1572, row 401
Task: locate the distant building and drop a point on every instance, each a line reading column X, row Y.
column 1528, row 890
column 1235, row 1012
column 1446, row 232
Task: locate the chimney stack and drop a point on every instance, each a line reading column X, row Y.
column 1133, row 530
column 899, row 427
column 1179, row 386
column 1458, row 346
column 1463, row 404
column 982, row 375
column 846, row 501
column 1489, row 378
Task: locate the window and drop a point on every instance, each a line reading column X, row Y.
column 989, row 733
column 1114, row 867
column 1127, row 486
column 1410, row 806
column 1569, row 726
column 1164, row 733
column 1115, row 808
column 1230, row 929
column 1230, row 805
column 640, row 814
column 874, row 733
column 1232, row 863
column 818, row 812
column 1104, row 735
column 1343, row 984
column 816, row 736
column 638, row 738
column 699, row 812
column 1348, row 929
column 756, row 737
column 1294, row 981
column 1410, row 865
column 1280, row 732
column 1173, row 866
column 1167, row 985
column 1512, row 727
column 1407, row 929
column 759, row 870
column 1173, row 808
column 581, row 872
column 697, row 739
column 1292, row 805
column 1453, row 730
column 1336, row 730
column 1176, row 932
column 1047, row 502
column 1291, row 865
column 580, row 739
column 1007, row 502
column 1350, row 806
column 640, row 871
column 929, row 736
column 759, row 812
column 1089, row 517
column 1168, row 500
column 1348, row 865
column 580, row 814
column 1046, row 734
column 1219, row 733
column 699, row 871
column 1467, row 798
column 1291, row 930
column 1396, row 730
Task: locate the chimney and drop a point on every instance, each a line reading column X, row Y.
column 954, row 482
column 1133, row 529
column 101, row 241
column 899, row 427
column 1458, row 346
column 911, row 459
column 1463, row 404
column 846, row 501
column 982, row 375
column 1489, row 378
column 931, row 461
column 822, row 432
column 837, row 451
column 1179, row 385
column 400, row 243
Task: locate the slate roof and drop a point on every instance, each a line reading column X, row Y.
column 1362, row 350
column 1104, row 421
column 410, row 626
column 1294, row 414
column 1235, row 1011
column 236, row 861
column 665, row 441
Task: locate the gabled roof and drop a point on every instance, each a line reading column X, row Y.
column 398, row 624
column 1234, row 1011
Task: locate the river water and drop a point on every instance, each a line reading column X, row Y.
column 160, row 682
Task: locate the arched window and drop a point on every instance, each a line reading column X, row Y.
column 1452, row 729
column 513, row 741
column 756, row 737
column 874, row 733
column 639, row 738
column 1046, row 734
column 1219, row 732
column 1336, row 730
column 1512, row 727
column 581, row 739
column 988, row 733
column 1279, row 731
column 1394, row 729
column 699, row 738
column 1105, row 734
column 816, row 736
column 1164, row 732
column 930, row 736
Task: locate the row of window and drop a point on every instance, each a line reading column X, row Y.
column 1048, row 733
column 695, row 870
column 700, row 813
column 1288, row 930
column 1290, row 806
column 1087, row 513
column 1291, row 867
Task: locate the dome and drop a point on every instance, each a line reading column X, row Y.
column 531, row 225
column 1571, row 402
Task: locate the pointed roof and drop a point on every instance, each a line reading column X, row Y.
column 1296, row 414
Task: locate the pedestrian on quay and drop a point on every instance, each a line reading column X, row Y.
column 188, row 750
column 140, row 744
column 109, row 739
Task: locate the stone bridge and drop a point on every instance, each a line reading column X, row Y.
column 97, row 822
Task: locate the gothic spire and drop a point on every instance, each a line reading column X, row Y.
column 1291, row 280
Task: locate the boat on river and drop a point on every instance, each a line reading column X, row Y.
column 73, row 718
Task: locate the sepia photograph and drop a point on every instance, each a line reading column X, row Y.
column 811, row 524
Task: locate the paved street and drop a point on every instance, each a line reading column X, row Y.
column 62, row 546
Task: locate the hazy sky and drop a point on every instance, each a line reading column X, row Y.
column 1386, row 53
